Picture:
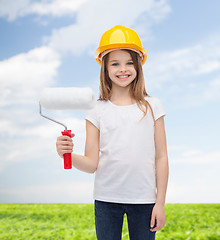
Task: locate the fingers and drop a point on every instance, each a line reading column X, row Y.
column 157, row 226
column 64, row 144
column 152, row 222
column 154, row 227
column 64, row 141
column 65, row 138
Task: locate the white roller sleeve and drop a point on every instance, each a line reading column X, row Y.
column 67, row 98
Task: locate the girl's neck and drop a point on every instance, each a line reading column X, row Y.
column 121, row 96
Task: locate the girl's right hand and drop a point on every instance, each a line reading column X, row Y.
column 64, row 144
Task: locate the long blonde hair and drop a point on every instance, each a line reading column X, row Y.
column 137, row 87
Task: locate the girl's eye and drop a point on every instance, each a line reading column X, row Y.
column 116, row 64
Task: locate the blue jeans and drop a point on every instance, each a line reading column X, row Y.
column 109, row 220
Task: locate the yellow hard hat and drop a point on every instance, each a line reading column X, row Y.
column 120, row 37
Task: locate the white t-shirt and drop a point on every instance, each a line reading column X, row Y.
column 126, row 169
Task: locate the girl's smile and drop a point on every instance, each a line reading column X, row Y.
column 123, row 76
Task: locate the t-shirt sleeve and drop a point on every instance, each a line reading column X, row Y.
column 159, row 110
column 92, row 115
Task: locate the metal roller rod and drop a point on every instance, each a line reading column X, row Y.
column 51, row 118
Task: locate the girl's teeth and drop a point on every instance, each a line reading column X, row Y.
column 124, row 76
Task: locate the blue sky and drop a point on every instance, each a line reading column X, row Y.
column 52, row 44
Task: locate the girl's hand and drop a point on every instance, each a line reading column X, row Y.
column 64, row 144
column 158, row 215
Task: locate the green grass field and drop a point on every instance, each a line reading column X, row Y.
column 76, row 221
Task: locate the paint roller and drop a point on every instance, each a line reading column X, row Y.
column 66, row 99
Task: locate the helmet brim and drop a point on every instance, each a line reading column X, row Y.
column 101, row 52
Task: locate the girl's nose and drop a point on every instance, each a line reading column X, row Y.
column 122, row 68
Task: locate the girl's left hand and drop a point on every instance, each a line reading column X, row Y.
column 158, row 214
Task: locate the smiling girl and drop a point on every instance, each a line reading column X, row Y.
column 125, row 143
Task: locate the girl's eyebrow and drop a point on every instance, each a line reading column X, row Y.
column 114, row 60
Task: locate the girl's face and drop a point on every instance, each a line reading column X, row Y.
column 121, row 68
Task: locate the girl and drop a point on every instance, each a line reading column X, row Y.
column 125, row 143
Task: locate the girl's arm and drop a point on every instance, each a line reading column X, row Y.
column 162, row 171
column 89, row 162
column 161, row 160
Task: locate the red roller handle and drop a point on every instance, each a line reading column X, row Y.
column 67, row 156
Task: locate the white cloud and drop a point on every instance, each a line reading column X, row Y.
column 21, row 79
column 212, row 90
column 36, row 140
column 200, row 59
column 187, row 155
column 197, row 191
column 95, row 17
column 74, row 192
column 22, row 76
column 14, row 9
column 189, row 75
column 56, row 7
column 193, row 175
column 198, row 157
column 215, row 82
